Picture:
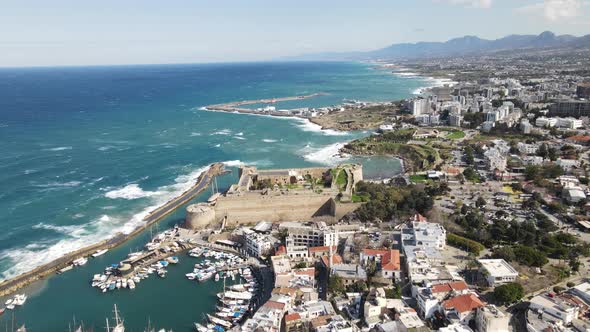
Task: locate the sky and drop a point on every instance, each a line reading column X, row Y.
column 74, row 32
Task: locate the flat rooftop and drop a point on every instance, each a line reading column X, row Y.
column 498, row 267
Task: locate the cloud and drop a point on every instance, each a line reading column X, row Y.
column 555, row 10
column 468, row 3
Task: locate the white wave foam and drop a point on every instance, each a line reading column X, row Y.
column 59, row 148
column 54, row 185
column 240, row 138
column 327, row 155
column 306, row 125
column 233, row 163
column 106, row 148
column 194, row 134
column 222, row 132
column 70, row 230
column 268, row 140
column 130, row 191
column 238, row 163
column 240, row 134
column 28, row 257
column 217, row 145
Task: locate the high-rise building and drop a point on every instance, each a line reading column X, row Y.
column 575, row 108
column 420, row 106
column 583, row 90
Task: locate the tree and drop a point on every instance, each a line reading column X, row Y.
column 471, row 174
column 552, row 154
column 508, row 293
column 300, row 265
column 480, row 202
column 529, row 256
column 358, row 287
column 336, row 285
column 393, row 293
column 542, row 151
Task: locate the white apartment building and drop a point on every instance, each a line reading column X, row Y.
column 567, row 164
column 498, row 271
column 425, row 234
column 555, row 307
column 495, row 160
column 256, row 244
column 545, row 122
column 420, row 106
column 455, row 120
column 569, row 123
column 525, row 148
column 310, row 234
column 491, row 319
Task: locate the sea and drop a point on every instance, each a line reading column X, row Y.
column 86, row 152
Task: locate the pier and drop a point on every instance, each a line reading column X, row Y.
column 11, row 285
column 234, row 107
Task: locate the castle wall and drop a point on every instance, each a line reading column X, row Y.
column 253, row 207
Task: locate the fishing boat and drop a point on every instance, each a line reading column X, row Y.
column 172, row 260
column 235, row 295
column 20, row 299
column 131, row 284
column 80, row 261
column 201, row 328
column 217, row 277
column 65, row 269
column 99, row 253
column 219, row 321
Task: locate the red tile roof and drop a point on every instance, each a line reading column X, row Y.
column 463, row 303
column 336, row 259
column 375, row 252
column 293, row 316
column 391, row 261
column 580, row 138
column 281, row 250
column 322, row 249
column 419, row 217
column 310, row 271
column 445, row 288
column 274, row 305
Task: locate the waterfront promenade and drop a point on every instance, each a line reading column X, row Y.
column 11, row 285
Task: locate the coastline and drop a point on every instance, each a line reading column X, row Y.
column 408, row 72
column 11, row 285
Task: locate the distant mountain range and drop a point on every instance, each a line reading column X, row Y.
column 460, row 46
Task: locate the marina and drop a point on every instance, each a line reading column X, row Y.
column 240, row 286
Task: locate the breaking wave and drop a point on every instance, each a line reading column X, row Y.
column 130, row 191
column 327, row 155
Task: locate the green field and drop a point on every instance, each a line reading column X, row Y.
column 418, row 178
column 456, row 135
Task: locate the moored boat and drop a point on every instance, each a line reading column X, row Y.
column 99, row 252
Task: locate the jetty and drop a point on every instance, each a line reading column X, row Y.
column 234, row 107
column 11, row 285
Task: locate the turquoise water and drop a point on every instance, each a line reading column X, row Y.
column 88, row 151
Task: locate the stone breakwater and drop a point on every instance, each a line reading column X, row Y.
column 234, row 107
column 11, row 285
